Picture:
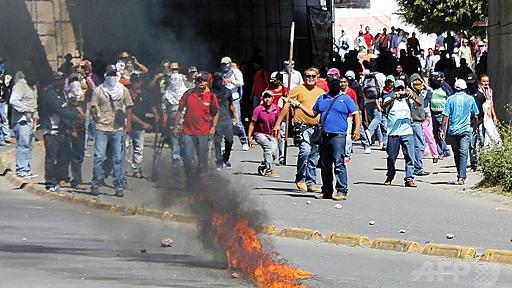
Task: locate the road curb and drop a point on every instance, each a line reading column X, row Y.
column 353, row 240
column 301, row 233
column 497, row 256
column 397, row 245
column 454, row 251
column 347, row 239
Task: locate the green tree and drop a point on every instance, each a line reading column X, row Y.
column 437, row 16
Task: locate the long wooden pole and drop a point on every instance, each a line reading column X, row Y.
column 290, row 70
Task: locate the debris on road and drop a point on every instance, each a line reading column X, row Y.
column 235, row 275
column 166, row 243
column 338, row 206
column 143, row 251
column 372, row 223
column 449, row 236
column 402, row 231
column 308, row 202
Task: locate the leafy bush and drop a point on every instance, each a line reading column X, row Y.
column 496, row 163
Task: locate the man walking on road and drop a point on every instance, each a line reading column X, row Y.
column 400, row 132
column 306, row 94
column 460, row 108
column 333, row 108
column 111, row 108
column 200, row 120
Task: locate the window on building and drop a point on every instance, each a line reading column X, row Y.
column 365, row 4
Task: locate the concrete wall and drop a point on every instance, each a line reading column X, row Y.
column 500, row 57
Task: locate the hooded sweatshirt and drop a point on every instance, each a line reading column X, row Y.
column 417, row 111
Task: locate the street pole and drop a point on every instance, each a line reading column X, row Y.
column 290, row 69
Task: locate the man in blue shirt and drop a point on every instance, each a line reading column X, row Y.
column 460, row 108
column 334, row 108
column 400, row 132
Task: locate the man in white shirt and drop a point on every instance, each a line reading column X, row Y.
column 296, row 76
column 234, row 81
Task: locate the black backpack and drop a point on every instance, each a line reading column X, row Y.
column 371, row 87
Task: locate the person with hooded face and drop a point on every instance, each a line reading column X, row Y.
column 459, row 111
column 440, row 94
column 5, row 92
column 333, row 108
column 111, row 109
column 416, row 102
column 227, row 119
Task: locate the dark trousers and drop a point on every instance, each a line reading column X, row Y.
column 72, row 153
column 224, row 131
column 332, row 155
column 199, row 145
column 51, row 146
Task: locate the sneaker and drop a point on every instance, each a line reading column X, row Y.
column 94, row 191
column 435, row 160
column 367, row 150
column 54, row 188
column 245, row 147
column 322, row 196
column 340, row 196
column 410, row 183
column 474, row 168
column 460, row 181
column 62, row 183
column 302, row 186
column 219, row 167
column 388, row 181
column 27, row 176
column 281, row 161
column 272, row 173
column 314, row 189
column 5, row 144
column 119, row 193
column 421, row 173
column 227, row 165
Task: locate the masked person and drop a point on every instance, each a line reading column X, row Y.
column 111, row 108
column 234, row 81
column 416, row 102
column 199, row 121
column 296, row 77
column 171, row 98
column 24, row 117
column 333, row 108
column 127, row 65
column 227, row 119
column 263, row 120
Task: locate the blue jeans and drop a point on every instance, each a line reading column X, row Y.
column 240, row 124
column 199, row 145
column 116, row 141
column 5, row 135
column 419, row 146
column 442, row 148
column 477, row 141
column 394, row 144
column 137, row 139
column 460, row 146
column 332, row 153
column 24, row 141
column 378, row 123
column 307, row 160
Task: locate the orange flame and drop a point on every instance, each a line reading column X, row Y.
column 244, row 252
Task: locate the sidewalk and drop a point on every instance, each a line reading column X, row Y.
column 426, row 214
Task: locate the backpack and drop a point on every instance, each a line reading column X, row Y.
column 371, row 87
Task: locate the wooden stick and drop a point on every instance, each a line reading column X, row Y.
column 290, row 70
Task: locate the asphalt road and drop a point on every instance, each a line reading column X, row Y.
column 53, row 244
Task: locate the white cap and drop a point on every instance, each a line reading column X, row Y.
column 225, row 60
column 460, row 84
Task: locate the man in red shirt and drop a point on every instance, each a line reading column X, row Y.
column 262, row 124
column 200, row 120
column 368, row 38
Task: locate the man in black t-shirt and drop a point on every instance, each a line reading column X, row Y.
column 142, row 104
column 227, row 120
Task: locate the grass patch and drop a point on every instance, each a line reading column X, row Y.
column 496, row 164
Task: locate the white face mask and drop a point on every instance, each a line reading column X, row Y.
column 111, row 80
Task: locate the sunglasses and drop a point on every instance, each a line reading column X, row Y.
column 309, row 76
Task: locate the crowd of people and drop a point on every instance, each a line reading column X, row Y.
column 384, row 93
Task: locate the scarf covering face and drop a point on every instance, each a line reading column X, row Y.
column 175, row 89
column 112, row 87
column 76, row 94
column 487, row 91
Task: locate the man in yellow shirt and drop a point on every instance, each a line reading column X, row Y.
column 306, row 94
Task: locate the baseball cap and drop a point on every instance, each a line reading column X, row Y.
column 460, row 84
column 351, row 75
column 471, row 78
column 390, row 78
column 267, row 93
column 333, row 71
column 225, row 60
column 438, row 74
column 192, row 69
column 110, row 70
column 399, row 83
